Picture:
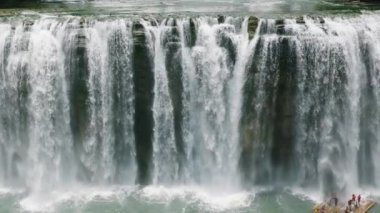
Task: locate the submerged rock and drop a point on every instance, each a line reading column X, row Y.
column 280, row 22
column 28, row 24
column 300, row 20
column 280, row 25
column 321, row 20
column 221, row 19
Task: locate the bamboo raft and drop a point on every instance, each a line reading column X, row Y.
column 324, row 207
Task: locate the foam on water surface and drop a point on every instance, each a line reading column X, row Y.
column 152, row 195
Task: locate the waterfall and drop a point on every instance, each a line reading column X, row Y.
column 164, row 145
column 212, row 82
column 227, row 103
column 305, row 86
column 36, row 140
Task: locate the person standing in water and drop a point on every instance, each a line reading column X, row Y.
column 335, row 199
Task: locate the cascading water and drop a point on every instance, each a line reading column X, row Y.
column 304, row 104
column 224, row 104
column 211, row 118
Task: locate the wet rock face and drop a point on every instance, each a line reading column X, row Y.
column 253, row 23
column 367, row 132
column 280, row 26
column 226, row 42
column 171, row 37
column 300, row 20
column 221, row 19
column 173, row 58
column 191, row 38
column 81, row 40
column 284, row 112
column 255, row 125
column 138, row 34
column 28, row 25
column 274, row 122
column 77, row 67
column 144, row 86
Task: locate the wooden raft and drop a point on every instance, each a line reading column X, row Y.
column 365, row 206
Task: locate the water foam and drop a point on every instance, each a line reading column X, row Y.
column 204, row 199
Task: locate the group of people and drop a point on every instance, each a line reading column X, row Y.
column 333, row 205
column 353, row 204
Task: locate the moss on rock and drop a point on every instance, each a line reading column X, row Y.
column 253, row 23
